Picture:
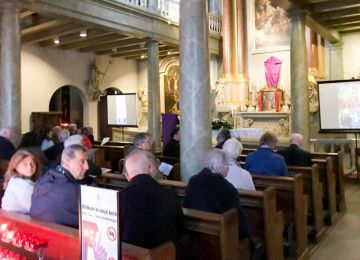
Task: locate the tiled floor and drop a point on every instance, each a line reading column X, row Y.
column 343, row 241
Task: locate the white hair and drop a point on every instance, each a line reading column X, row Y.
column 233, row 147
column 215, row 160
column 74, row 139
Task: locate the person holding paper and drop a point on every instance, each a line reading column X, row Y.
column 150, row 213
column 144, row 141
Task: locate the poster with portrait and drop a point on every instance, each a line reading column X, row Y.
column 271, row 27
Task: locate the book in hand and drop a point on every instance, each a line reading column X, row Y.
column 165, row 168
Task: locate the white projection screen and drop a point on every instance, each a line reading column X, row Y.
column 121, row 110
column 339, row 106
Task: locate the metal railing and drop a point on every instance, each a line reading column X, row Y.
column 170, row 10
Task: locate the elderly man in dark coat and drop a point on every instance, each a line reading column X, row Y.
column 150, row 213
column 56, row 194
column 294, row 154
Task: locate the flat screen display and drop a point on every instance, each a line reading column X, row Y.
column 339, row 106
column 122, row 110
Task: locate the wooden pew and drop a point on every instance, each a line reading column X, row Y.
column 64, row 241
column 266, row 220
column 338, row 167
column 112, row 154
column 313, row 188
column 327, row 178
column 290, row 199
column 210, row 235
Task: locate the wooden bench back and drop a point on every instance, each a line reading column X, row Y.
column 312, row 188
column 338, row 167
column 211, row 236
column 291, row 201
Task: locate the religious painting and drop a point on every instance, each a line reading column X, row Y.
column 271, row 27
column 172, row 91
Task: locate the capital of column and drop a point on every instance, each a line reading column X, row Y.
column 12, row 5
column 297, row 15
column 336, row 46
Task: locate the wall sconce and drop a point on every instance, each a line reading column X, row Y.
column 142, row 56
column 57, row 40
column 83, row 33
column 169, row 53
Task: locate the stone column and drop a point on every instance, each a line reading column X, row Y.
column 195, row 129
column 241, row 38
column 154, row 92
column 336, row 65
column 321, row 56
column 299, row 77
column 10, row 83
column 227, row 37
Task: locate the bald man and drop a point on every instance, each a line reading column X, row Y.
column 150, row 213
column 294, row 154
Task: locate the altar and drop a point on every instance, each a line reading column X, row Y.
column 276, row 122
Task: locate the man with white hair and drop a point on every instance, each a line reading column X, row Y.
column 294, row 154
column 7, row 149
column 210, row 191
column 150, row 213
column 237, row 176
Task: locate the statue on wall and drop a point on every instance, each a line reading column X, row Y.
column 143, row 98
column 94, row 92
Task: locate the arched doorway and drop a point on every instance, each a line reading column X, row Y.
column 104, row 129
column 67, row 99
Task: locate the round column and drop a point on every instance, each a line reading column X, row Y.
column 10, row 83
column 299, row 77
column 154, row 92
column 226, row 36
column 195, row 125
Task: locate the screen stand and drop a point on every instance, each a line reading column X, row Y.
column 122, row 133
column 357, row 153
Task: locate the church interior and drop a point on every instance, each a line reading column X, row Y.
column 252, row 65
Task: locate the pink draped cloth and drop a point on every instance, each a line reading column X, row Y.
column 272, row 71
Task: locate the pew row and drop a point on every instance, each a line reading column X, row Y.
column 290, row 199
column 312, row 188
column 64, row 242
column 212, row 236
column 265, row 220
column 338, row 168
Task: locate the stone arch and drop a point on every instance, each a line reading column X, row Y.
column 70, row 100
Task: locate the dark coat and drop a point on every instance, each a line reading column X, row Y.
column 172, row 148
column 213, row 193
column 265, row 161
column 7, row 149
column 150, row 213
column 294, row 155
column 55, row 198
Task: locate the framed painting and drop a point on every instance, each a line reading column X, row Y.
column 271, row 27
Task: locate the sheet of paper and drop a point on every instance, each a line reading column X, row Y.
column 105, row 140
column 105, row 170
column 165, row 168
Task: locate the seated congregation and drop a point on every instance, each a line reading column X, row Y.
column 260, row 204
